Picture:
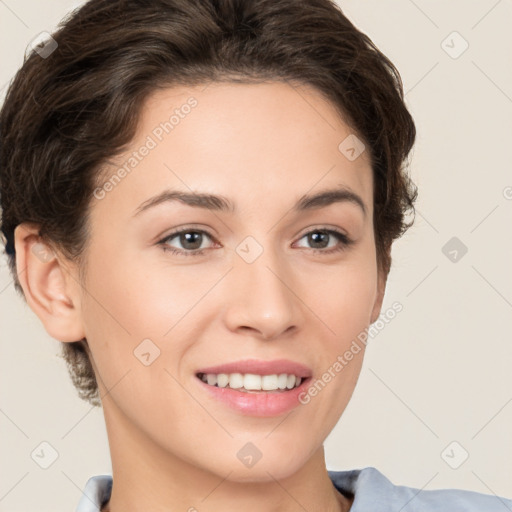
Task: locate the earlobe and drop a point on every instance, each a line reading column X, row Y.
column 48, row 288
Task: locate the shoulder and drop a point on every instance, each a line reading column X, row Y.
column 95, row 494
column 373, row 491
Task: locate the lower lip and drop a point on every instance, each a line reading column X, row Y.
column 260, row 403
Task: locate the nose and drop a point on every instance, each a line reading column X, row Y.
column 261, row 301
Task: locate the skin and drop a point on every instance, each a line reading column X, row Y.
column 263, row 146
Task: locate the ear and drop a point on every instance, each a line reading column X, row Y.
column 51, row 290
column 381, row 289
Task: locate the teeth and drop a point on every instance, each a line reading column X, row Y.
column 252, row 382
column 222, row 380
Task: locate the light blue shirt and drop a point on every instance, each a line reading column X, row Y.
column 372, row 491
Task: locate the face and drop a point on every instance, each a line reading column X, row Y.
column 267, row 277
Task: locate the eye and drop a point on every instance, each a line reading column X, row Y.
column 320, row 239
column 192, row 240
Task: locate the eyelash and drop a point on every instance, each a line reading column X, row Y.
column 345, row 241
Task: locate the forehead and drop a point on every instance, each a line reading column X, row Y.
column 265, row 140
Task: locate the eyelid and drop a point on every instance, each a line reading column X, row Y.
column 322, row 227
column 345, row 241
column 179, row 231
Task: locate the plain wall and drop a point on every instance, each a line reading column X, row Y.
column 438, row 372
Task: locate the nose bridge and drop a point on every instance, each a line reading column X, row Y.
column 261, row 295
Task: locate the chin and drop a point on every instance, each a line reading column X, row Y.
column 262, row 474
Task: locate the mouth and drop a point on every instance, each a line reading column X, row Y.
column 254, row 383
column 256, row 388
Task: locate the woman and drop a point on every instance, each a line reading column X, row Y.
column 199, row 200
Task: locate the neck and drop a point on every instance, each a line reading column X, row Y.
column 147, row 477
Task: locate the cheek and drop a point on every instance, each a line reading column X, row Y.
column 342, row 302
column 121, row 311
column 342, row 295
column 342, row 305
column 135, row 298
column 138, row 312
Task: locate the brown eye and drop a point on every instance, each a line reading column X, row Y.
column 319, row 240
column 189, row 239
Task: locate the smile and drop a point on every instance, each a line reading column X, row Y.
column 252, row 383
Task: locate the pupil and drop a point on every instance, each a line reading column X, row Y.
column 185, row 238
column 314, row 236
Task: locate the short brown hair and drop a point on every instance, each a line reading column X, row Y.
column 66, row 114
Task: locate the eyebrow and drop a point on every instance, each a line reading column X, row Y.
column 223, row 204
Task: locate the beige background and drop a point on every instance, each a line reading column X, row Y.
column 438, row 372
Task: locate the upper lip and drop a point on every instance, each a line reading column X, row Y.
column 260, row 367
